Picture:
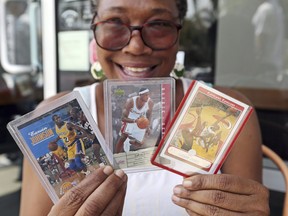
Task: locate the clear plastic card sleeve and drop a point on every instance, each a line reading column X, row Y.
column 202, row 132
column 62, row 142
column 137, row 114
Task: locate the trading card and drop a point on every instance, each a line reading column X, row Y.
column 137, row 114
column 62, row 142
column 202, row 131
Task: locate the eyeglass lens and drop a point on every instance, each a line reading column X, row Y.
column 156, row 35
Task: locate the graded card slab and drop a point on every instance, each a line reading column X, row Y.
column 138, row 112
column 62, row 142
column 202, row 131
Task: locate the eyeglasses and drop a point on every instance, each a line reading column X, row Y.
column 114, row 35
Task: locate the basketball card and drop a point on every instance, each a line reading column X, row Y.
column 138, row 112
column 202, row 132
column 62, row 142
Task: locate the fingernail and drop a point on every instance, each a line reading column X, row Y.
column 177, row 190
column 175, row 198
column 108, row 170
column 187, row 184
column 120, row 173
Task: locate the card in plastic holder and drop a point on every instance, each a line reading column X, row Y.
column 137, row 114
column 202, row 132
column 62, row 142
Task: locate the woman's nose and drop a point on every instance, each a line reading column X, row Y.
column 136, row 45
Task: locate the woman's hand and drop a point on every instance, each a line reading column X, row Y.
column 101, row 192
column 222, row 194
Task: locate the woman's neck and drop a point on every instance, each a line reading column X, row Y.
column 179, row 94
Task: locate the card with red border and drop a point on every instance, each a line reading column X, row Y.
column 202, row 132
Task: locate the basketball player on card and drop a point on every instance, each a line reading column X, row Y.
column 136, row 118
column 67, row 132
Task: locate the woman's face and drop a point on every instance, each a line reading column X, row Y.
column 136, row 60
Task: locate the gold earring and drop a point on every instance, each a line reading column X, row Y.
column 97, row 71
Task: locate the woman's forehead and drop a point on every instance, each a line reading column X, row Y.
column 126, row 5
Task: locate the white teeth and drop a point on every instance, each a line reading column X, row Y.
column 136, row 69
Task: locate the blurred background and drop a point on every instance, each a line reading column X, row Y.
column 44, row 49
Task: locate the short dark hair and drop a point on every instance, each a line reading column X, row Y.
column 181, row 5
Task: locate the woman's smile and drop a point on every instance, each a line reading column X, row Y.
column 136, row 71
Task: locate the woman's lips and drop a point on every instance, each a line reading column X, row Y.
column 137, row 71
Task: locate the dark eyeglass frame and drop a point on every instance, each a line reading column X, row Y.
column 132, row 28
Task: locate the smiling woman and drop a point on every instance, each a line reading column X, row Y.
column 140, row 66
column 132, row 54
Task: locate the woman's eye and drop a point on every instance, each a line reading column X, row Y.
column 115, row 20
column 161, row 24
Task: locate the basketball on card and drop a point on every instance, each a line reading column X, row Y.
column 52, row 146
column 142, row 122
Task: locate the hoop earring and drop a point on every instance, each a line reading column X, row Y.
column 178, row 71
column 97, row 71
